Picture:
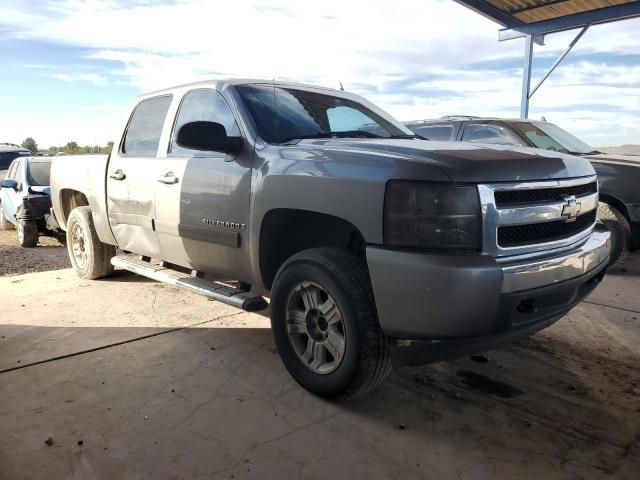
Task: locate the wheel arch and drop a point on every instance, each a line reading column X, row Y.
column 615, row 203
column 285, row 232
column 70, row 199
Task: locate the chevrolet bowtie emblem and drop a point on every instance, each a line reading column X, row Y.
column 571, row 210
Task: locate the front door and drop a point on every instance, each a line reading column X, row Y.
column 202, row 208
column 132, row 177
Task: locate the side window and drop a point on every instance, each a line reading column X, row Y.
column 12, row 170
column 203, row 105
column 143, row 134
column 485, row 133
column 435, row 132
column 19, row 174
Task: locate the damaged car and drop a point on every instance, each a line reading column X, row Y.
column 25, row 200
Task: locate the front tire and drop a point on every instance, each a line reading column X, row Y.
column 27, row 233
column 325, row 325
column 90, row 257
column 620, row 230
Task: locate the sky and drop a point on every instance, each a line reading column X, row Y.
column 71, row 69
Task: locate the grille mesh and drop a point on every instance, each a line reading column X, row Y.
column 515, row 197
column 519, row 235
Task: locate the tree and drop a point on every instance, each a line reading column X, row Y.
column 71, row 147
column 30, row 144
column 107, row 149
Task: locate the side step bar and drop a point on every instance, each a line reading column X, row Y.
column 216, row 291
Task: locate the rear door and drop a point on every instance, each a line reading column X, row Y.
column 202, row 198
column 132, row 176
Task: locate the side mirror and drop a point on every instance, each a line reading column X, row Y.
column 208, row 137
column 9, row 183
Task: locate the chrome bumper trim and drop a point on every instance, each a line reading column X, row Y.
column 533, row 274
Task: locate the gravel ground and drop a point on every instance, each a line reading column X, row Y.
column 50, row 254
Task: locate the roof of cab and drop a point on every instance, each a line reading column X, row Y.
column 236, row 81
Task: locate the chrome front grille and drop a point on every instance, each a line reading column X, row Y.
column 528, row 217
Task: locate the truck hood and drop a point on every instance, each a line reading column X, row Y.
column 461, row 162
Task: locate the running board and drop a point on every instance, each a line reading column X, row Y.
column 215, row 291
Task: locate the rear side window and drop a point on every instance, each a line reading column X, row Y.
column 435, row 132
column 143, row 135
column 485, row 133
column 203, row 105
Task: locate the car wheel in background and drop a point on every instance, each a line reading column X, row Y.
column 325, row 325
column 90, row 257
column 27, row 233
column 5, row 224
column 620, row 230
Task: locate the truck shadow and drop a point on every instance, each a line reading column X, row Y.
column 542, row 405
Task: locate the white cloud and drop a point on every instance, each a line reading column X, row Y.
column 394, row 53
column 80, row 77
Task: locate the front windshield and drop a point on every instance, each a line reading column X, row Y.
column 551, row 137
column 285, row 114
column 39, row 174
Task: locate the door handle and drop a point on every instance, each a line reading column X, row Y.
column 118, row 175
column 168, row 178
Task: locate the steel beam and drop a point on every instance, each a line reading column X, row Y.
column 526, row 77
column 560, row 58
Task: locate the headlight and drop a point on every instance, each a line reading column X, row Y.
column 432, row 215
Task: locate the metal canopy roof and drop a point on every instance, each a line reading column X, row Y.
column 540, row 17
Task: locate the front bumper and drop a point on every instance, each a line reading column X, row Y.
column 474, row 299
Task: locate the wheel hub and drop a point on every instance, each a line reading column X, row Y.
column 317, row 325
column 315, row 328
column 78, row 245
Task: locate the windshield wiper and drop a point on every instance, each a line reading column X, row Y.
column 593, row 152
column 341, row 134
column 354, row 134
column 297, row 138
column 409, row 136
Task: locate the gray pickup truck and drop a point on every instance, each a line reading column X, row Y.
column 376, row 248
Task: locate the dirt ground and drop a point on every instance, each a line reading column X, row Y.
column 129, row 379
column 14, row 260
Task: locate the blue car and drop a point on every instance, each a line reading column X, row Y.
column 25, row 200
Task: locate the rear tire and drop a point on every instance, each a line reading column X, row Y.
column 27, row 233
column 325, row 325
column 620, row 230
column 5, row 224
column 90, row 257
